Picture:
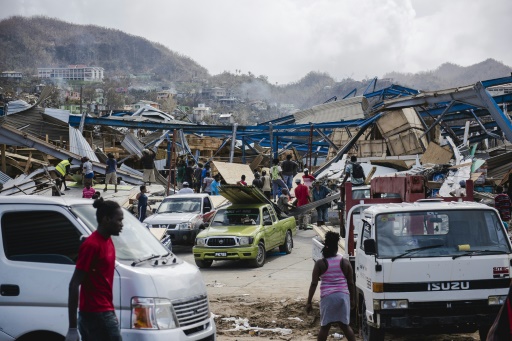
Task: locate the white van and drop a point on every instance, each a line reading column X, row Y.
column 39, row 242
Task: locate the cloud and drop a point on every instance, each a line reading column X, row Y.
column 286, row 39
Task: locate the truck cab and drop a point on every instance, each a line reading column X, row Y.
column 430, row 266
column 183, row 216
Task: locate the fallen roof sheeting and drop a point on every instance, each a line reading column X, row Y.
column 232, row 172
column 79, row 146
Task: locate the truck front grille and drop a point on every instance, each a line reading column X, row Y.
column 221, row 242
column 191, row 310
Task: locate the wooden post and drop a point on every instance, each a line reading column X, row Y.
column 4, row 166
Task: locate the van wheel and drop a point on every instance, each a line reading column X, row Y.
column 259, row 261
column 288, row 243
column 43, row 335
column 203, row 264
column 368, row 332
column 483, row 331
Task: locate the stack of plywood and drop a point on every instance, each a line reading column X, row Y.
column 206, row 145
column 340, row 137
column 365, row 148
column 402, row 130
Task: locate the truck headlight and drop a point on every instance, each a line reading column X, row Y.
column 390, row 304
column 496, row 300
column 152, row 313
column 201, row 241
column 245, row 240
column 184, row 226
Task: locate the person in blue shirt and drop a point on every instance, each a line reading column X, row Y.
column 215, row 185
column 320, row 192
column 142, row 205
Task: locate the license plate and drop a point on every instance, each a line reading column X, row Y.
column 221, row 254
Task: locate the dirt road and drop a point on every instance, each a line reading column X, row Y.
column 268, row 303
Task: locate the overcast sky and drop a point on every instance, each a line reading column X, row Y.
column 286, row 39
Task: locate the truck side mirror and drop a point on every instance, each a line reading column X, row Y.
column 369, row 247
column 206, row 209
column 267, row 222
column 153, row 210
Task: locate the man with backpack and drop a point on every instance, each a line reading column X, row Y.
column 355, row 171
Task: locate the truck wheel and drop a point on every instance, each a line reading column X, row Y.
column 259, row 261
column 203, row 264
column 288, row 243
column 368, row 332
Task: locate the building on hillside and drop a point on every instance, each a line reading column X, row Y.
column 165, row 94
column 70, row 95
column 11, row 74
column 199, row 113
column 73, row 72
column 226, row 118
column 142, row 104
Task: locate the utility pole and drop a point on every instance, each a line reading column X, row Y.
column 84, row 114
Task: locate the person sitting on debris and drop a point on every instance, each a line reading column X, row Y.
column 186, row 189
column 265, row 179
column 111, row 173
column 242, row 181
column 276, row 174
column 283, row 201
column 215, row 184
column 63, row 169
column 337, row 289
column 142, row 205
column 88, row 192
column 502, row 204
column 320, row 192
column 148, row 163
column 355, row 171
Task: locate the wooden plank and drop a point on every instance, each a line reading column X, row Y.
column 24, row 158
column 370, row 175
column 231, row 172
column 436, row 155
column 29, row 163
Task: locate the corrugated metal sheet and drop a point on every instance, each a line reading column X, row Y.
column 79, row 146
column 17, row 106
column 498, row 166
column 4, row 178
column 132, row 144
column 347, row 109
column 60, row 114
column 128, row 169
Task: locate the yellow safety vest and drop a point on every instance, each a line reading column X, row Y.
column 61, row 167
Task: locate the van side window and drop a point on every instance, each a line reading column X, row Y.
column 367, row 234
column 40, row 236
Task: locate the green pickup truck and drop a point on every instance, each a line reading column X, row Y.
column 245, row 230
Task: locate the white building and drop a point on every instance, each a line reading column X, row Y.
column 200, row 112
column 73, row 72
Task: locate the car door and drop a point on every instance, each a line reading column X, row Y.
column 269, row 226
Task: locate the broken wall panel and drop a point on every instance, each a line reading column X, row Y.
column 407, row 143
column 232, row 172
column 397, row 121
column 436, row 154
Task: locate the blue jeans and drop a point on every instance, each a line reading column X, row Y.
column 323, row 214
column 102, row 326
column 276, row 184
column 288, row 180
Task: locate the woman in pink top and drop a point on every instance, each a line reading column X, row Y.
column 336, row 290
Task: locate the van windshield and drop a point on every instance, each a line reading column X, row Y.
column 134, row 242
column 440, row 233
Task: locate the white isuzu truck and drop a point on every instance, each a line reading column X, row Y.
column 428, row 267
column 157, row 296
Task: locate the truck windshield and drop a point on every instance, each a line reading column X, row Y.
column 180, row 205
column 439, row 233
column 133, row 243
column 238, row 216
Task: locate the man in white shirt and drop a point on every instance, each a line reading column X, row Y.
column 186, row 189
